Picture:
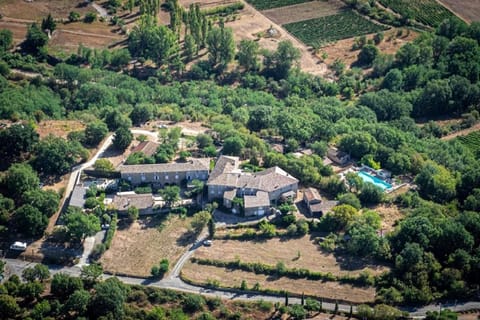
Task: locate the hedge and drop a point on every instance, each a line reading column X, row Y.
column 363, row 279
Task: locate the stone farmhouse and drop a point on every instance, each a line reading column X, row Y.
column 317, row 206
column 123, row 201
column 159, row 175
column 258, row 190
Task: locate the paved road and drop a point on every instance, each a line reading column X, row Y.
column 175, row 283
column 88, row 243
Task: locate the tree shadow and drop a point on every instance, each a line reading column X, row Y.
column 187, row 238
column 352, row 263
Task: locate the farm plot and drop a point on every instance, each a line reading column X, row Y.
column 203, row 274
column 428, row 12
column 269, row 4
column 472, row 141
column 304, row 11
column 347, row 24
column 136, row 249
column 468, row 10
column 294, row 253
column 35, row 10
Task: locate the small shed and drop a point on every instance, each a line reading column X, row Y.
column 338, row 157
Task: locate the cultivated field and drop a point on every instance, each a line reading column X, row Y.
column 269, row 4
column 472, row 141
column 274, row 250
column 467, row 9
column 304, row 11
column 38, row 9
column 234, row 278
column 137, row 248
column 347, row 24
column 18, row 29
column 252, row 25
column 428, row 12
column 206, row 4
column 17, row 15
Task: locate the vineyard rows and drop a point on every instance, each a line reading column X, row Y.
column 270, row 4
column 472, row 141
column 347, row 24
column 428, row 12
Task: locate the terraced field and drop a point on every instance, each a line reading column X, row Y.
column 269, row 4
column 472, row 141
column 346, row 24
column 428, row 12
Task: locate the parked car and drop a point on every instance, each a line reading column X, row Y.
column 105, row 226
column 20, row 246
column 207, row 243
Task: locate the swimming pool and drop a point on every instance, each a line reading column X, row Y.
column 376, row 181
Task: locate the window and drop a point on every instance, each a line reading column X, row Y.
column 166, row 177
column 176, row 177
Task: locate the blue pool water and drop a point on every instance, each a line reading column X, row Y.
column 376, row 181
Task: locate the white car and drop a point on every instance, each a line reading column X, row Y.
column 20, row 246
column 207, row 243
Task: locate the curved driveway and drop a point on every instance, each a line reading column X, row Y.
column 174, row 282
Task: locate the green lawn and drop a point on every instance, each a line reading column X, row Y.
column 347, row 24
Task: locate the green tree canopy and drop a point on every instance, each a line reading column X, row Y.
column 19, row 179
column 81, row 225
column 122, row 138
column 108, row 298
column 95, row 132
column 55, row 155
column 30, row 220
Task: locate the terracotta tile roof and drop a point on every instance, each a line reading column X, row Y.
column 312, row 195
column 226, row 173
column 224, row 166
column 230, row 195
column 259, row 200
column 148, row 148
column 194, row 164
column 140, row 201
column 324, row 206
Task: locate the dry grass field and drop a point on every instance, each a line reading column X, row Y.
column 390, row 216
column 233, row 278
column 17, row 14
column 274, row 250
column 36, row 10
column 137, row 248
column 469, row 10
column 342, row 49
column 303, row 11
column 59, row 128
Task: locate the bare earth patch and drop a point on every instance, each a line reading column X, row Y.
column 250, row 23
column 462, row 132
column 137, row 248
column 36, row 10
column 274, row 250
column 303, row 11
column 342, row 49
column 469, row 10
column 19, row 30
column 59, row 128
column 234, row 278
